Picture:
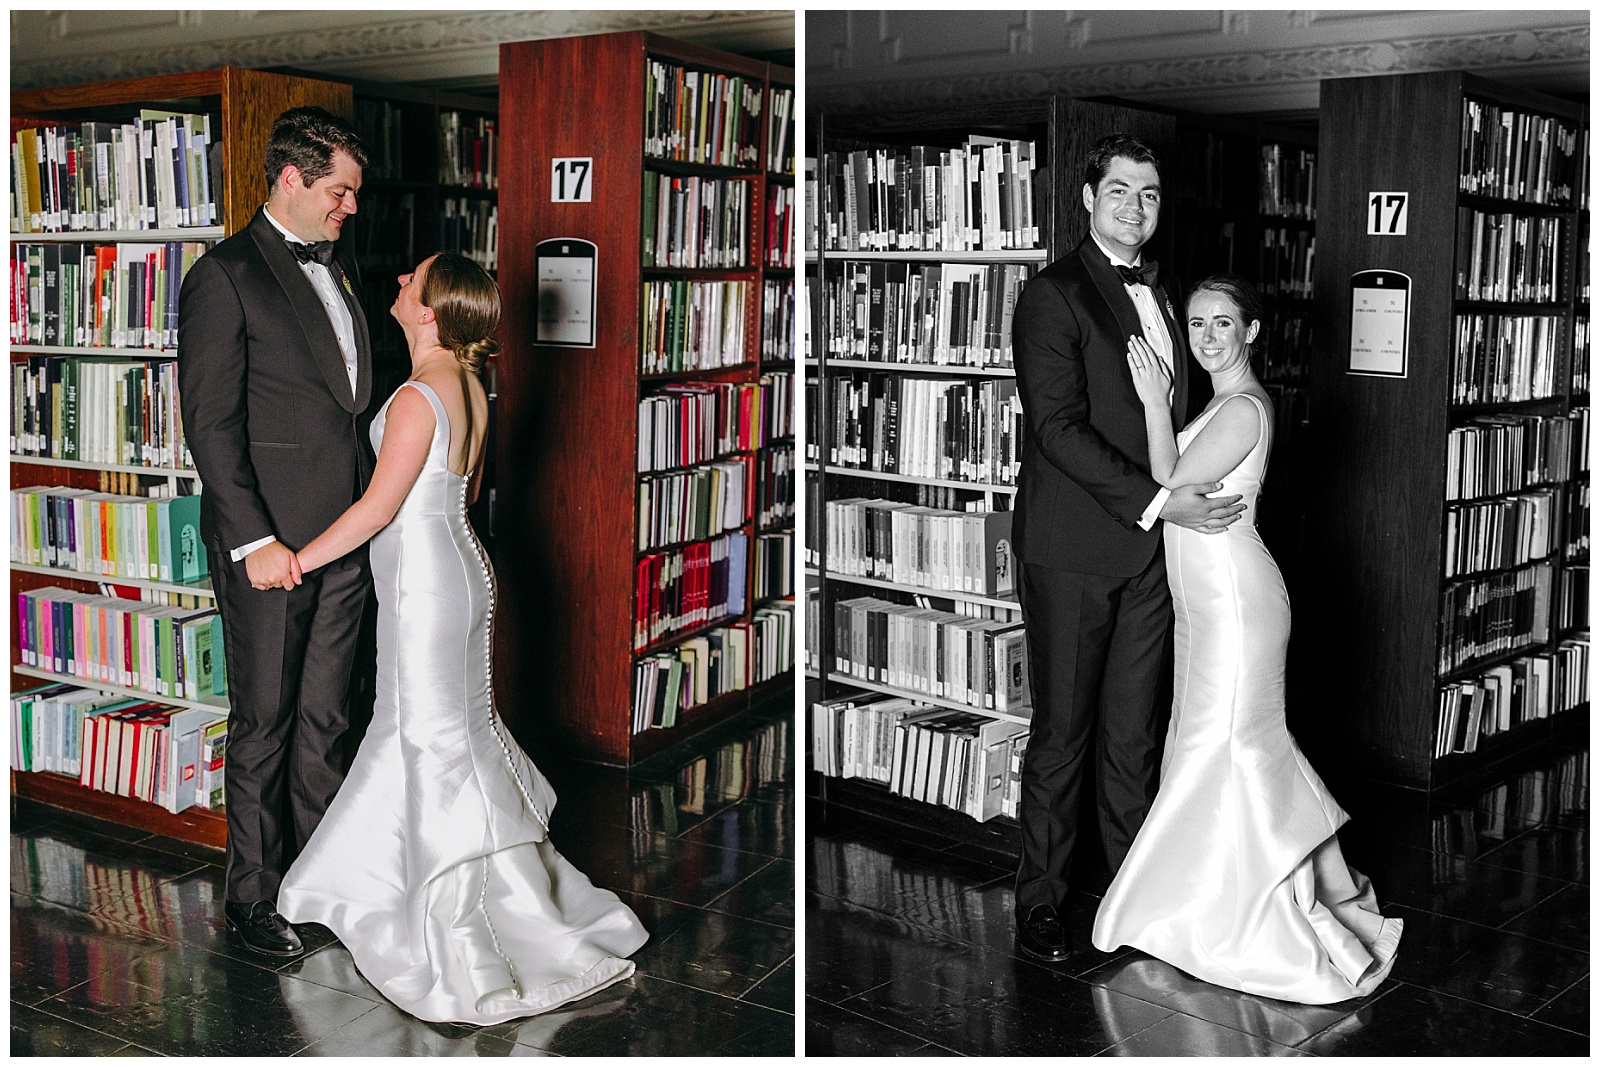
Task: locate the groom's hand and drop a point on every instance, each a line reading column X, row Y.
column 1189, row 506
column 272, row 566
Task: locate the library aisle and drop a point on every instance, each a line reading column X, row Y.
column 117, row 943
column 910, row 942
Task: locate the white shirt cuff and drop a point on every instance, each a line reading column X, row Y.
column 1153, row 512
column 244, row 550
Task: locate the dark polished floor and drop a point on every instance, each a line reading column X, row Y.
column 910, row 943
column 117, row 943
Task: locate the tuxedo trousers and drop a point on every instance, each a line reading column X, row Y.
column 290, row 655
column 1099, row 655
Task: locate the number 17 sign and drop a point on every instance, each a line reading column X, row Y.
column 571, row 179
column 1386, row 214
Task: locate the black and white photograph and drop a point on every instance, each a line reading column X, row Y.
column 1197, row 533
column 402, row 500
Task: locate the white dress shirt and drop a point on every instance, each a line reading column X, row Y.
column 1154, row 327
column 344, row 328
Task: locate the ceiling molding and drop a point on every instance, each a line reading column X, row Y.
column 459, row 49
column 1555, row 58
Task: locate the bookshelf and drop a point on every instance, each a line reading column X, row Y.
column 567, row 553
column 1382, row 514
column 241, row 105
column 857, row 494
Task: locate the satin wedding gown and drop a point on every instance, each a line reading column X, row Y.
column 1236, row 875
column 432, row 864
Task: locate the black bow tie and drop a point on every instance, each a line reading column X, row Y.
column 1145, row 275
column 315, row 251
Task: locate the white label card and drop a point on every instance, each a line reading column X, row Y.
column 1386, row 214
column 567, row 275
column 571, row 179
column 1380, row 320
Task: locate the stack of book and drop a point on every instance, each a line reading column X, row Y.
column 380, row 126
column 775, row 565
column 470, row 225
column 1515, row 155
column 155, row 539
column 780, row 130
column 980, row 663
column 1572, row 601
column 722, row 660
column 1508, row 453
column 1577, row 540
column 935, row 313
column 1494, row 615
column 927, row 427
column 781, row 223
column 1505, row 358
column 695, row 116
column 979, row 196
column 148, row 751
column 688, row 424
column 1528, row 688
column 695, row 222
column 777, row 320
column 694, row 504
column 122, row 295
column 688, row 587
column 161, row 172
column 1287, row 262
column 897, row 542
column 777, row 406
column 775, row 494
column 1580, row 356
column 98, row 411
column 959, row 760
column 1506, row 257
column 1288, row 181
column 170, row 652
column 692, row 325
column 1500, row 533
column 467, row 154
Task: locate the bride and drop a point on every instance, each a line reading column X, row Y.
column 433, row 864
column 1236, row 876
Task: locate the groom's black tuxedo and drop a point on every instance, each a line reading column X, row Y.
column 277, row 436
column 1094, row 591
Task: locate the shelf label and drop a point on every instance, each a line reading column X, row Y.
column 570, row 179
column 1386, row 214
column 1380, row 320
column 565, row 269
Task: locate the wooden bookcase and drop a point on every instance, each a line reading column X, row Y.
column 242, row 105
column 1379, row 459
column 1063, row 130
column 568, row 417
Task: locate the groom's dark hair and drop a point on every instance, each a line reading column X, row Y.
column 1117, row 145
column 306, row 139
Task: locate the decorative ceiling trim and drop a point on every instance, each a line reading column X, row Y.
column 471, row 36
column 1283, row 72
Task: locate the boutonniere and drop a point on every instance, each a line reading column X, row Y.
column 1173, row 315
column 344, row 278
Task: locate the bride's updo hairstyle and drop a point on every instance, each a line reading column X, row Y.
column 1246, row 298
column 466, row 307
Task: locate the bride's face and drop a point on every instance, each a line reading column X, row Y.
column 408, row 306
column 1218, row 336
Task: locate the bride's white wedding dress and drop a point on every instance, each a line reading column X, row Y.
column 432, row 864
column 1236, row 875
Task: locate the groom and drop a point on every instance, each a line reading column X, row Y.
column 1095, row 603
column 274, row 368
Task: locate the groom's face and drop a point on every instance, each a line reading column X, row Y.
column 317, row 212
column 1124, row 210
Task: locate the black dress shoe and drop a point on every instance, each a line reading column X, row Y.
column 1041, row 936
column 262, row 929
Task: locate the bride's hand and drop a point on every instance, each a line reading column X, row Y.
column 1150, row 376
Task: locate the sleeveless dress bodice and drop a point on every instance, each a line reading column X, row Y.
column 432, row 864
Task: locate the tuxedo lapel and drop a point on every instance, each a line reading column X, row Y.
column 1112, row 289
column 348, row 277
column 1180, row 357
column 308, row 310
